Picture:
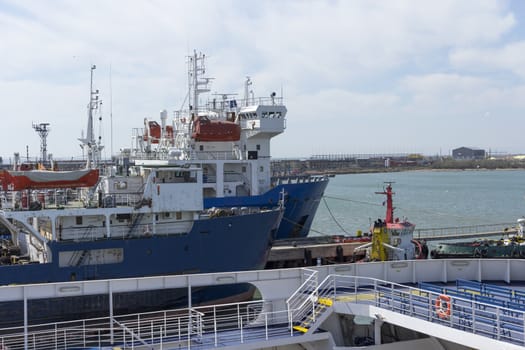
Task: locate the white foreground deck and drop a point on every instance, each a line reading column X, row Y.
column 299, row 306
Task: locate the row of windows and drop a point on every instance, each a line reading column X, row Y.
column 264, row 115
column 127, row 217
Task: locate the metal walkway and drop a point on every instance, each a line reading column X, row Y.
column 251, row 323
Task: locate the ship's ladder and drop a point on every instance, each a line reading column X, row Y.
column 306, row 306
column 77, row 258
column 310, row 319
column 136, row 222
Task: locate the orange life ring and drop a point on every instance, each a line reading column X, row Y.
column 442, row 306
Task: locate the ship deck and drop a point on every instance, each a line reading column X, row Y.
column 300, row 306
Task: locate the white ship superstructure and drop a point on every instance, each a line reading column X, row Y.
column 229, row 138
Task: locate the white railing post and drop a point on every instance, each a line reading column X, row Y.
column 523, row 324
column 335, row 287
column 473, row 305
column 355, row 288
column 165, row 325
column 498, row 323
column 215, row 325
column 161, row 338
column 242, row 334
column 266, row 325
column 290, row 321
column 152, row 333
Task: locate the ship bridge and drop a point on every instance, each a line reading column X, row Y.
column 263, row 120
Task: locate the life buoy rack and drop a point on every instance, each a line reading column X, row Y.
column 442, row 306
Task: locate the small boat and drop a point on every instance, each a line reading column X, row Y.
column 392, row 238
column 512, row 246
column 153, row 131
column 46, row 179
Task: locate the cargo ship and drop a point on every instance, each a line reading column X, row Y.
column 105, row 222
column 229, row 138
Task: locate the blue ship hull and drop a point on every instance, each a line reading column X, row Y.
column 231, row 243
column 208, row 247
column 301, row 203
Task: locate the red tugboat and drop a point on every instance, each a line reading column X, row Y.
column 392, row 238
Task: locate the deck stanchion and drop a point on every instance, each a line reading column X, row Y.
column 165, row 326
column 110, row 297
column 25, row 317
column 473, row 317
column 523, row 324
column 242, row 334
column 355, row 288
column 161, row 338
column 498, row 323
column 266, row 325
column 215, row 325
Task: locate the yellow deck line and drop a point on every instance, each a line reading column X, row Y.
column 300, row 329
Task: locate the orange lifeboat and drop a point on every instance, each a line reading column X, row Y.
column 44, row 179
column 205, row 129
column 155, row 130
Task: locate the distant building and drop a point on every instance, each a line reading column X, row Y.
column 468, row 153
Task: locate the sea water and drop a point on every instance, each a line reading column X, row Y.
column 429, row 199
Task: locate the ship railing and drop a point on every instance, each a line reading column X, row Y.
column 206, row 326
column 291, row 179
column 218, row 155
column 465, row 231
column 230, row 105
column 489, row 317
column 228, row 177
column 112, row 199
column 261, row 101
column 135, row 228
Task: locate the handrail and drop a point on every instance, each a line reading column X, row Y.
column 236, row 323
column 497, row 228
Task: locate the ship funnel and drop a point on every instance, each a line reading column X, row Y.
column 163, row 118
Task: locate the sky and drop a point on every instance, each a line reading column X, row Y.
column 357, row 77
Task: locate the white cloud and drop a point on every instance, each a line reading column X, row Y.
column 508, row 58
column 348, row 69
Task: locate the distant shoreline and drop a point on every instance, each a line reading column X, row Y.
column 402, row 169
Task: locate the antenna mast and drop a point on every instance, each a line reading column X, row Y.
column 197, row 83
column 89, row 142
column 43, row 130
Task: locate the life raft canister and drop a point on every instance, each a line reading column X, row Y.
column 442, row 306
